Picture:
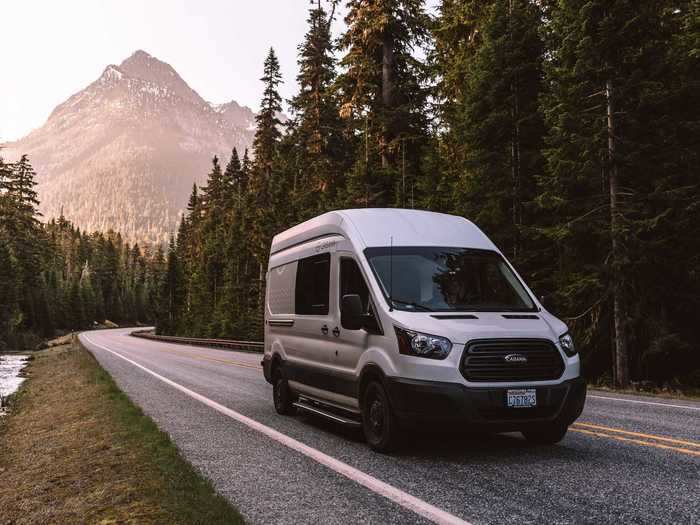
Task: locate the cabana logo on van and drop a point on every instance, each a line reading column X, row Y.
column 325, row 246
column 515, row 358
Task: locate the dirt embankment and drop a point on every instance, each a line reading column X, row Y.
column 74, row 449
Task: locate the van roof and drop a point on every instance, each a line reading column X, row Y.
column 376, row 227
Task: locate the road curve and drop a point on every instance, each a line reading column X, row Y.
column 628, row 459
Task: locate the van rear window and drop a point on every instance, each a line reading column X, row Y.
column 312, row 289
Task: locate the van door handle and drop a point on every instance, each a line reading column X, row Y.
column 336, row 331
column 324, row 329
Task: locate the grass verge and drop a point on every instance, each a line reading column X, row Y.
column 75, row 449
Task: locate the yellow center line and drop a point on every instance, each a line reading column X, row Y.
column 212, row 359
column 638, row 442
column 636, row 434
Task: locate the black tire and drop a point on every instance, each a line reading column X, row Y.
column 282, row 396
column 378, row 420
column 546, row 434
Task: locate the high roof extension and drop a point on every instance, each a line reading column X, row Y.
column 375, row 227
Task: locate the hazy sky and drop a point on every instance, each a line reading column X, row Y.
column 51, row 49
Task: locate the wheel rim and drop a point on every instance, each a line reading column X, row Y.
column 376, row 416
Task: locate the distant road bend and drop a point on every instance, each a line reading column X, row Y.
column 628, row 459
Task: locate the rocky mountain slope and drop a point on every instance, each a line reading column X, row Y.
column 124, row 152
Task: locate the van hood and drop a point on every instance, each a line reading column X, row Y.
column 460, row 329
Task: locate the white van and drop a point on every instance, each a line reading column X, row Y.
column 390, row 317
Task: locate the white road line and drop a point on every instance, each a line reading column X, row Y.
column 642, row 402
column 390, row 492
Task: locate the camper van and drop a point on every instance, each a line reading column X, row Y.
column 388, row 318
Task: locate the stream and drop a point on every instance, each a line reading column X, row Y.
column 10, row 380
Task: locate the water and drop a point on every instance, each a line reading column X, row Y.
column 10, row 367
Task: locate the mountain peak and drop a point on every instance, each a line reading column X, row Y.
column 140, row 54
column 144, row 66
column 123, row 152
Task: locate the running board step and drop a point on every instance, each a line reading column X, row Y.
column 317, row 410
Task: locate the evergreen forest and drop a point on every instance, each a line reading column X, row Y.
column 568, row 130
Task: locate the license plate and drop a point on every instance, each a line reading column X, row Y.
column 522, row 398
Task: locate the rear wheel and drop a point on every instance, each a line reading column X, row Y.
column 546, row 435
column 282, row 396
column 378, row 421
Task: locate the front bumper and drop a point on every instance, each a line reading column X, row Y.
column 483, row 408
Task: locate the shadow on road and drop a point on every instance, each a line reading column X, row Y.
column 455, row 445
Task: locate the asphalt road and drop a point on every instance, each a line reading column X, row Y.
column 628, row 459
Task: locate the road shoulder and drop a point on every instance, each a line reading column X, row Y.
column 76, row 449
column 661, row 397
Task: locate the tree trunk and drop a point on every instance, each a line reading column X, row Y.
column 515, row 171
column 515, row 150
column 619, row 305
column 387, row 94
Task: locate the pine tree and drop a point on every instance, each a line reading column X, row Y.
column 21, row 190
column 76, row 316
column 265, row 186
column 24, row 238
column 87, row 295
column 10, row 315
column 216, row 211
column 172, row 293
column 232, row 181
column 214, row 194
column 267, row 133
column 317, row 148
column 5, row 204
column 384, row 100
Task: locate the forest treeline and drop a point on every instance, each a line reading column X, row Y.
column 567, row 129
column 55, row 278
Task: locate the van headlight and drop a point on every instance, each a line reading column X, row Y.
column 567, row 344
column 422, row 345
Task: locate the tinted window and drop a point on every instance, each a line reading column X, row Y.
column 352, row 281
column 448, row 279
column 312, row 285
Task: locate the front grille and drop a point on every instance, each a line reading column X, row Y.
column 485, row 360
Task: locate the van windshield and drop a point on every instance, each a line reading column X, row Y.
column 434, row 279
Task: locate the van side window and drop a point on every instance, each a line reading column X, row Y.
column 280, row 292
column 352, row 281
column 311, row 296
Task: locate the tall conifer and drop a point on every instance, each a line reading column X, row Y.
column 383, row 97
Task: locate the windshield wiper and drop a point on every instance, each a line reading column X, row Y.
column 414, row 305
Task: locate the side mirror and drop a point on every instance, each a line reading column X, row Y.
column 351, row 314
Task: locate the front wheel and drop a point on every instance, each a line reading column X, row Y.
column 282, row 396
column 378, row 421
column 546, row 435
